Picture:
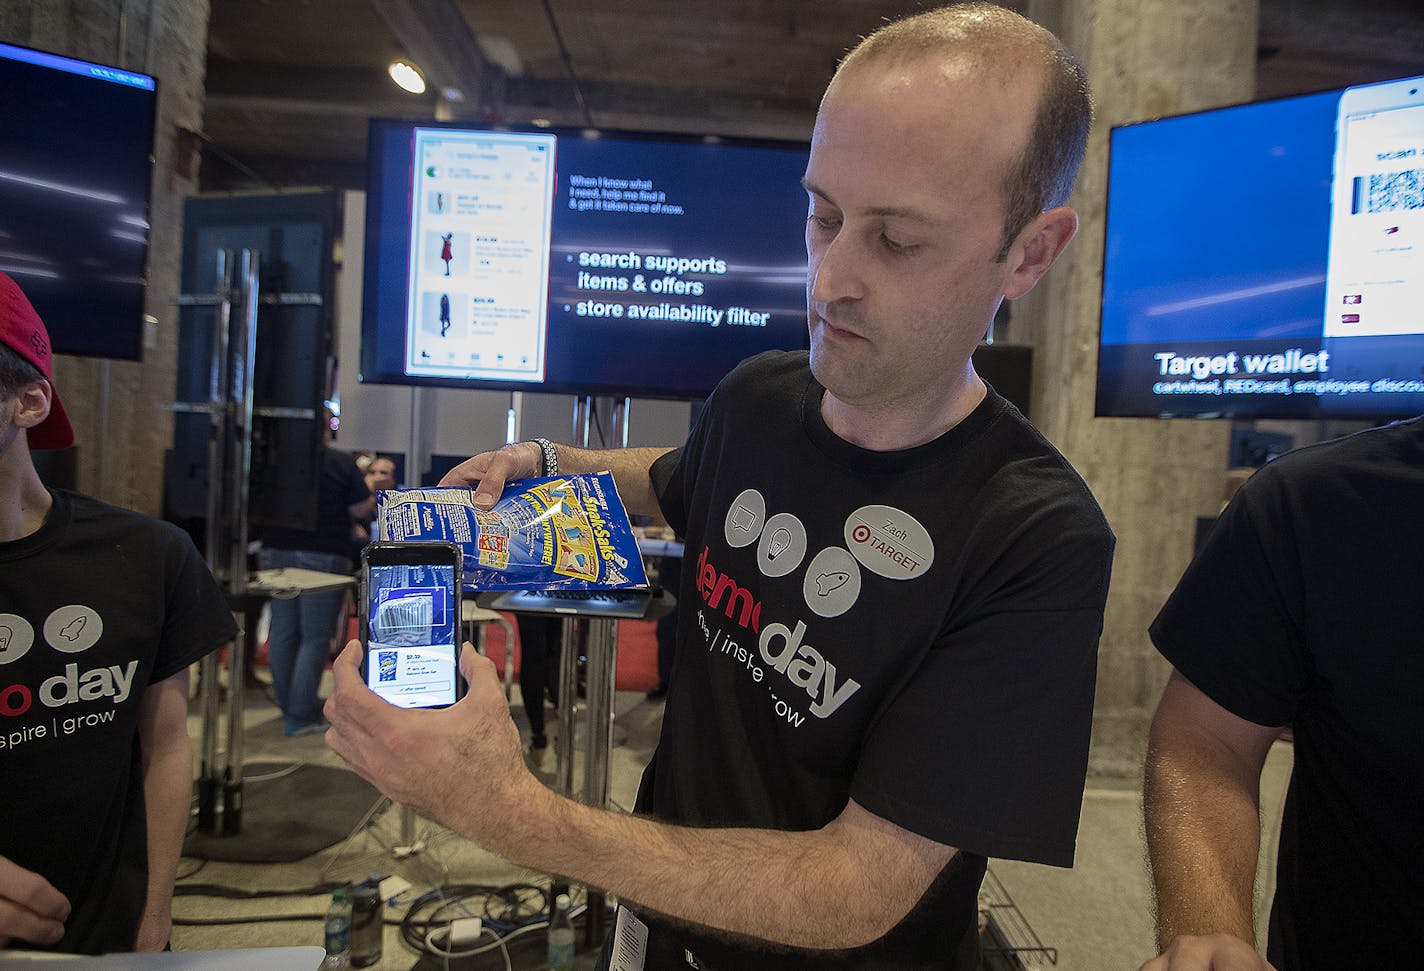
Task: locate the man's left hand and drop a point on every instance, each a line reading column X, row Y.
column 460, row 766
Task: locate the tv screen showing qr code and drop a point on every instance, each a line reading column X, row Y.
column 1266, row 260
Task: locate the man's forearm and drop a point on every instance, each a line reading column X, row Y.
column 167, row 793
column 808, row 889
column 1203, row 836
column 842, row 885
column 630, row 471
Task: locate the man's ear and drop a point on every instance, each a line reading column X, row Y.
column 1037, row 248
column 33, row 402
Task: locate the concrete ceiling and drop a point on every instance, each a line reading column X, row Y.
column 292, row 83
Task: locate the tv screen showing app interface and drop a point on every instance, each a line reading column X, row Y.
column 580, row 261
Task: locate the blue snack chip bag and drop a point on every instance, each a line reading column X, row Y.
column 566, row 532
column 386, row 665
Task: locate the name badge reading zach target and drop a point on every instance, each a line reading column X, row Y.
column 889, row 541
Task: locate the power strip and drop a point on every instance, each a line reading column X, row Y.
column 464, row 930
column 393, row 887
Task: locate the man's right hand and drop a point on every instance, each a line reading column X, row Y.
column 1219, row 952
column 489, row 471
column 31, row 909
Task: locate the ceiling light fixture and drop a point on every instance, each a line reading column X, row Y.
column 407, row 76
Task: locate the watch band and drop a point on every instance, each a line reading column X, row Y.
column 550, row 464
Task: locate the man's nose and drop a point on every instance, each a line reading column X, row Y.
column 836, row 272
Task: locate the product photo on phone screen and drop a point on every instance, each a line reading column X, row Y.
column 411, row 610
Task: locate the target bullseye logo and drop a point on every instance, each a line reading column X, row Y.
column 889, row 541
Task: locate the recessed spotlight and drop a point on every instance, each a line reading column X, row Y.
column 407, row 76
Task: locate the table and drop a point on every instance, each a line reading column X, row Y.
column 267, row 958
column 220, row 774
column 594, row 636
column 660, row 547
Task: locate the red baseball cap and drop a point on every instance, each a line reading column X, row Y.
column 23, row 332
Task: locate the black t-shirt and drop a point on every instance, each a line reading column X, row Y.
column 95, row 606
column 342, row 485
column 915, row 630
column 1305, row 608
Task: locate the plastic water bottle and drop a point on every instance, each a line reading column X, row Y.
column 561, row 936
column 367, row 927
column 338, row 932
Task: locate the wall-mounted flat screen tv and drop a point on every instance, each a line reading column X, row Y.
column 1267, row 260
column 76, row 144
column 578, row 261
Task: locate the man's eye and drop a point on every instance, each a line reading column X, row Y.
column 896, row 248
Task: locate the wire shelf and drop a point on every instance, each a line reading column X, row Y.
column 1007, row 942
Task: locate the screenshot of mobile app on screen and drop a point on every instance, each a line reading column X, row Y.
column 412, row 635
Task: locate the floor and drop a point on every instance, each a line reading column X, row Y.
column 1096, row 916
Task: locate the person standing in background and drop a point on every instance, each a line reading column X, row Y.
column 303, row 628
column 1302, row 609
column 540, row 650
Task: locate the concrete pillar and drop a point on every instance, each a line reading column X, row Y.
column 118, row 408
column 1145, row 58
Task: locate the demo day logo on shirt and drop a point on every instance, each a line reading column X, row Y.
column 884, row 540
column 68, row 630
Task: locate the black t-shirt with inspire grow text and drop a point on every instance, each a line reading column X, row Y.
column 1305, row 607
column 95, row 606
column 913, row 630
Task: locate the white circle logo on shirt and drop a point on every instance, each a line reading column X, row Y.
column 16, row 637
column 832, row 584
column 73, row 628
column 782, row 546
column 745, row 519
column 889, row 541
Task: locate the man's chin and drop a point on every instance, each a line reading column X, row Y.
column 834, row 373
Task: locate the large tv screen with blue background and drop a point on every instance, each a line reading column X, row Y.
column 1267, row 260
column 578, row 261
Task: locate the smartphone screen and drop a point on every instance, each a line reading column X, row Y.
column 412, row 626
column 1375, row 272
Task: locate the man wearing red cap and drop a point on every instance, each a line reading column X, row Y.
column 102, row 610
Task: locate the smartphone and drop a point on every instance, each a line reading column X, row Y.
column 410, row 623
column 1374, row 278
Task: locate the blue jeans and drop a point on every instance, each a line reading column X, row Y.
column 299, row 641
